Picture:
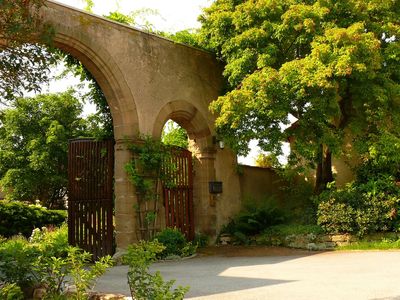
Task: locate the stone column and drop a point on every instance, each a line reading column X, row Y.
column 204, row 204
column 125, row 198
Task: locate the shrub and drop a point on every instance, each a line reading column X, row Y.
column 144, row 285
column 17, row 257
column 46, row 259
column 175, row 243
column 252, row 220
column 11, row 291
column 20, row 218
column 336, row 217
column 201, row 239
column 173, row 240
column 360, row 207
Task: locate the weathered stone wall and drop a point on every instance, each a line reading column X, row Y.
column 147, row 80
column 259, row 184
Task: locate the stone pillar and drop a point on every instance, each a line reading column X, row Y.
column 125, row 198
column 204, row 204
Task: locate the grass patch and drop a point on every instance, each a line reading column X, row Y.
column 384, row 244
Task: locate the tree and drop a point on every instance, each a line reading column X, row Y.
column 34, row 135
column 264, row 160
column 331, row 64
column 24, row 61
column 100, row 123
column 174, row 135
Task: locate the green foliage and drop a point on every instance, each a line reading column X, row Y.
column 120, row 18
column 34, row 135
column 16, row 260
column 174, row 135
column 287, row 234
column 252, row 220
column 82, row 275
column 138, row 18
column 290, row 229
column 24, row 64
column 201, row 240
column 89, row 5
column 150, row 165
column 52, row 241
column 266, row 160
column 190, row 37
column 11, row 291
column 47, row 260
column 175, row 243
column 19, row 218
column 384, row 244
column 360, row 207
column 100, row 124
column 143, row 254
column 329, row 64
column 143, row 284
column 173, row 240
column 381, row 157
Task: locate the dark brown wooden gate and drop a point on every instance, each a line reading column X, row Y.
column 178, row 194
column 90, row 195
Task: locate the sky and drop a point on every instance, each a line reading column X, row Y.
column 173, row 15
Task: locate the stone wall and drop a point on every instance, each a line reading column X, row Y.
column 259, row 184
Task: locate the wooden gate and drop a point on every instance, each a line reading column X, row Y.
column 178, row 194
column 90, row 195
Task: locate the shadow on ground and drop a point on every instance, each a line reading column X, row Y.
column 215, row 270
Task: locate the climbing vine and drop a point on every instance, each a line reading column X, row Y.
column 149, row 167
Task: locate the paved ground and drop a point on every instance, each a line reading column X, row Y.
column 278, row 274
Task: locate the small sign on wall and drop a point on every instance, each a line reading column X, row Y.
column 215, row 187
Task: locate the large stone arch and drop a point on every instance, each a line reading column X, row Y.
column 101, row 64
column 147, row 80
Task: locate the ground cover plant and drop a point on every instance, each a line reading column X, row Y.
column 47, row 261
column 252, row 220
column 383, row 244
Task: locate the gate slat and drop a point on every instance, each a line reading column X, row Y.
column 179, row 199
column 90, row 209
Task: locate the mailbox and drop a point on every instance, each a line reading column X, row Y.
column 215, row 187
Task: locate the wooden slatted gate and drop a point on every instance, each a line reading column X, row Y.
column 178, row 196
column 90, row 195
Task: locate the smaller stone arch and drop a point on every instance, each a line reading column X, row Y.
column 204, row 151
column 188, row 117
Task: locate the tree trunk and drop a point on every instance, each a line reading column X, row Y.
column 324, row 173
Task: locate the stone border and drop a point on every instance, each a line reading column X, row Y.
column 316, row 242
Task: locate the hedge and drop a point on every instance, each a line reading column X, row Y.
column 20, row 218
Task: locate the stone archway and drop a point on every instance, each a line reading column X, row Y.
column 143, row 76
column 204, row 151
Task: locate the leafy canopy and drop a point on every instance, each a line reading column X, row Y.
column 34, row 135
column 24, row 62
column 174, row 135
column 333, row 65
